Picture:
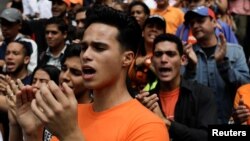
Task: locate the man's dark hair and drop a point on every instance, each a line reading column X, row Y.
column 129, row 30
column 71, row 51
column 140, row 3
column 52, row 71
column 171, row 38
column 27, row 47
column 62, row 26
column 82, row 9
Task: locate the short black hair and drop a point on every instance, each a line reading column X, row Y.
column 82, row 9
column 135, row 3
column 71, row 51
column 171, row 38
column 60, row 22
column 129, row 32
column 156, row 20
column 27, row 47
column 52, row 71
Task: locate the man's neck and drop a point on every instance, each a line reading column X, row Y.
column 208, row 42
column 110, row 96
column 162, row 7
column 19, row 75
column 172, row 85
column 56, row 51
column 84, row 97
column 10, row 40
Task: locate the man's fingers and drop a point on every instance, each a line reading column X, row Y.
column 222, row 39
column 20, row 84
column 38, row 112
column 69, row 93
column 148, row 101
column 14, row 86
column 141, row 95
column 42, row 102
column 153, row 106
column 57, row 92
column 152, row 99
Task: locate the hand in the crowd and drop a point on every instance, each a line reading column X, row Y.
column 159, row 113
column 241, row 113
column 57, row 109
column 143, row 60
column 149, row 101
column 11, row 101
column 221, row 50
column 2, row 62
column 3, row 84
column 3, row 93
column 25, row 117
column 15, row 131
column 191, row 56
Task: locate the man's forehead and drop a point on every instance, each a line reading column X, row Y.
column 198, row 17
column 100, row 29
column 166, row 45
column 14, row 46
column 195, row 1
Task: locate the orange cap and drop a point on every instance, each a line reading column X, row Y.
column 76, row 1
column 67, row 2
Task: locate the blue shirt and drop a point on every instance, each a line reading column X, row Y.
column 223, row 78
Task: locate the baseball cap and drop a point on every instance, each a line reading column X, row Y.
column 67, row 2
column 156, row 19
column 201, row 11
column 11, row 15
column 77, row 1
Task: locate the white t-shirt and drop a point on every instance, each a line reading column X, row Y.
column 150, row 3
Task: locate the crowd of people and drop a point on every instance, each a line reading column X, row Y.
column 129, row 70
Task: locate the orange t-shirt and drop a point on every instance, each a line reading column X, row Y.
column 168, row 102
column 129, row 121
column 173, row 16
column 244, row 93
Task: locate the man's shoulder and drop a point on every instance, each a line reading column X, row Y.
column 142, row 119
column 27, row 40
column 172, row 8
column 195, row 88
column 234, row 45
column 191, row 84
column 139, row 113
column 137, row 106
column 234, row 49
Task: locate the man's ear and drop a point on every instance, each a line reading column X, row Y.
column 65, row 35
column 19, row 26
column 142, row 33
column 184, row 60
column 216, row 24
column 128, row 58
column 26, row 60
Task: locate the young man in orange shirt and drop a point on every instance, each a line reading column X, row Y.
column 108, row 49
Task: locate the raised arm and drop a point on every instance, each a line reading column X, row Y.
column 57, row 109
